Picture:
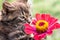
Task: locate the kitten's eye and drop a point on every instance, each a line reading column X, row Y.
column 17, row 35
column 22, row 17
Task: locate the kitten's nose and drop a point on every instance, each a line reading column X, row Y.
column 29, row 19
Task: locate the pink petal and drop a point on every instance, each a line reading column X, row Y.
column 38, row 16
column 52, row 21
column 36, row 37
column 34, row 21
column 28, row 29
column 51, row 28
column 55, row 26
column 43, row 16
column 40, row 36
column 47, row 17
column 49, row 32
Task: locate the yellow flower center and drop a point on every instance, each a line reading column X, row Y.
column 41, row 25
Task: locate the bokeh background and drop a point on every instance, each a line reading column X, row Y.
column 47, row 6
column 51, row 7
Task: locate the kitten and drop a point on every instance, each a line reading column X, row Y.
column 12, row 19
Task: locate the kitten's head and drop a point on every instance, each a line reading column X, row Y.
column 16, row 9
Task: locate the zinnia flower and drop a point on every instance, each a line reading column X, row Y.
column 42, row 25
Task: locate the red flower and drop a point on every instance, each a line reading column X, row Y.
column 41, row 26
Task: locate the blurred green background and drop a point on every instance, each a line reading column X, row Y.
column 45, row 6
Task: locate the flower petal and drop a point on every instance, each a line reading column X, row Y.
column 28, row 29
column 49, row 32
column 34, row 21
column 38, row 16
column 47, row 17
column 43, row 16
column 36, row 37
column 40, row 36
column 52, row 21
column 55, row 26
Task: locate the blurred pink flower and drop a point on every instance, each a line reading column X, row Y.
column 42, row 25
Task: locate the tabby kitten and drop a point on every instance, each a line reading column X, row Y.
column 12, row 19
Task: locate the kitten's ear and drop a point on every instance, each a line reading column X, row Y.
column 8, row 6
column 22, row 0
column 5, row 7
column 25, row 0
